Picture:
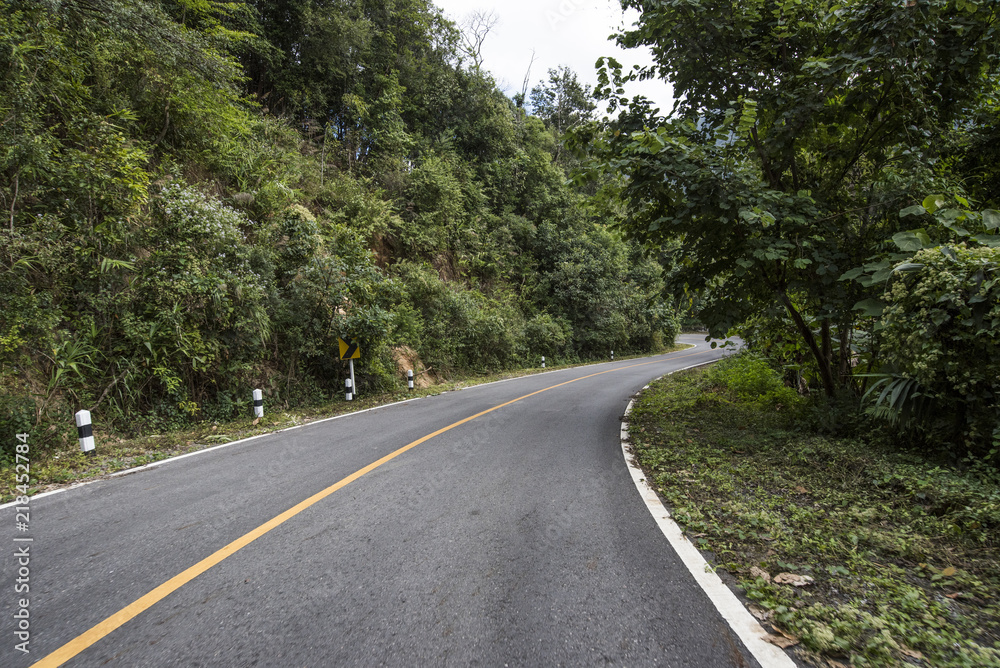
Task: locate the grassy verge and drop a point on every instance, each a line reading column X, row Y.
column 896, row 558
column 55, row 466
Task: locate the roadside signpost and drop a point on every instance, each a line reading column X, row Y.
column 350, row 351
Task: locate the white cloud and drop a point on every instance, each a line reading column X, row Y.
column 561, row 32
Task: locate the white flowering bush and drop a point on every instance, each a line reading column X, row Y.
column 296, row 239
column 941, row 328
column 192, row 215
column 200, row 305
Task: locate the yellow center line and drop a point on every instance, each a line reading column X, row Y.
column 91, row 636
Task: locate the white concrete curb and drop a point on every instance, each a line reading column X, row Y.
column 743, row 624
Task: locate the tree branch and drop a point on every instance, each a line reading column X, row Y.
column 765, row 164
column 106, row 390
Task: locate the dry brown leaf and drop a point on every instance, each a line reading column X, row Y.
column 760, row 613
column 948, row 572
column 793, row 579
column 801, row 490
column 783, row 632
column 760, row 573
column 781, row 641
column 955, row 595
column 912, row 653
column 256, row 420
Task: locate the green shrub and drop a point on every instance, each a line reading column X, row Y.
column 17, row 416
column 750, row 378
column 460, row 328
column 545, row 335
column 670, row 328
column 940, row 335
column 296, row 238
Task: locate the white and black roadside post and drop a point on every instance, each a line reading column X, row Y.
column 258, row 403
column 612, row 356
column 409, row 379
column 86, row 432
column 348, row 390
column 354, row 386
column 543, row 361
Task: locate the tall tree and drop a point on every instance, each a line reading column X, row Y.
column 356, row 70
column 561, row 101
column 802, row 128
column 475, row 28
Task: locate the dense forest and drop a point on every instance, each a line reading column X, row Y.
column 827, row 185
column 200, row 197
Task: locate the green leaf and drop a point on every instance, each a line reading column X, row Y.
column 881, row 275
column 851, row 274
column 912, row 240
column 957, row 229
column 934, row 202
column 939, row 317
column 909, row 266
column 991, row 219
column 901, row 389
column 915, row 210
column 991, row 240
column 870, row 307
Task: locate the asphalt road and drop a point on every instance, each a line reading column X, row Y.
column 516, row 538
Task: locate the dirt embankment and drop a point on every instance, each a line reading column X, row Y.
column 406, row 358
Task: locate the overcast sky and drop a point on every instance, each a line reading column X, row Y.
column 561, row 32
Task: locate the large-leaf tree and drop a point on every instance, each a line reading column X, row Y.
column 801, row 129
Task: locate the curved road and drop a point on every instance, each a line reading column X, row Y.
column 514, row 538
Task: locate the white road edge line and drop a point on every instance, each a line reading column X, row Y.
column 169, row 460
column 743, row 624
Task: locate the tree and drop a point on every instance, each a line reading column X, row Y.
column 978, row 149
column 475, row 27
column 562, row 102
column 358, row 73
column 201, row 195
column 936, row 320
column 801, row 130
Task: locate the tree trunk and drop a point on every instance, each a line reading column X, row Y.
column 825, row 372
column 13, row 203
column 846, row 354
column 827, row 342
